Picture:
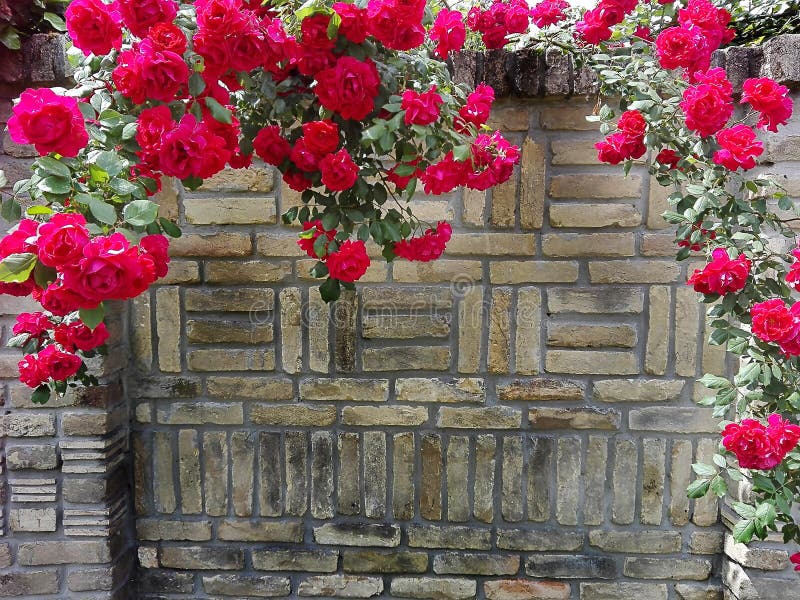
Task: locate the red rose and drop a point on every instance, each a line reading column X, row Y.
column 50, row 122
column 493, row 160
column 793, row 276
column 426, row 247
column 444, row 176
column 62, row 239
column 192, row 149
column 549, row 12
column 751, row 444
column 247, row 48
column 152, row 125
column 707, row 109
column 21, row 238
column 783, row 434
column 349, row 88
column 220, row 17
column 297, row 181
column 612, row 12
column 58, row 365
column 93, row 26
column 712, row 21
column 353, row 25
column 321, row 137
column 478, row 106
column 421, row 109
column 34, row 324
column 76, row 335
column 739, row 148
column 795, row 560
column 157, row 246
column 31, row 372
column 772, row 321
column 349, row 262
column 448, row 32
column 339, row 172
column 61, row 301
column 668, row 157
column 216, row 57
column 303, row 158
column 166, row 36
column 314, row 33
column 722, row 275
column 685, row 47
column 593, row 28
column 632, row 124
column 146, row 73
column 397, row 24
column 311, row 231
column 769, row 99
column 614, row 149
column 270, row 146
column 517, row 16
column 141, row 15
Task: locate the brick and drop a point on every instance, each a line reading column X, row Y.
column 250, row 388
column 296, row 459
column 154, row 580
column 492, row 244
column 495, row 417
column 32, row 519
column 373, row 561
column 318, row 319
column 586, row 215
column 588, row 244
column 653, row 476
column 430, row 209
column 623, row 502
column 656, row 350
column 539, row 477
column 406, row 358
column 525, row 589
column 693, row 591
column 680, row 477
column 711, row 542
column 251, row 271
column 533, row 170
column 568, row 468
column 574, row 418
column 321, row 475
column 290, row 302
column 386, row 536
column 706, row 509
column 595, row 186
column 509, row 117
column 141, row 339
column 374, row 474
column 657, row 204
column 163, row 484
column 295, row 560
column 623, row 591
column 571, row 566
column 403, row 476
column 348, row 482
column 440, row 271
column 303, row 415
column 567, row 300
column 673, row 419
column 401, row 298
column 240, row 585
column 200, row 413
column 640, row 542
column 430, row 494
column 474, row 203
column 451, row 537
column 470, row 330
column 40, row 457
column 457, row 488
column 242, row 479
column 574, row 152
column 591, row 336
column 754, row 557
column 658, row 244
column 270, row 474
column 535, row 390
column 588, row 362
column 511, row 499
column 638, row 390
column 341, row 586
column 418, row 389
column 173, row 529
column 638, row 271
column 531, row 271
column 595, row 480
column 483, row 504
column 248, row 300
column 687, row 331
column 272, row 244
column 228, row 332
column 244, row 530
column 668, row 568
column 572, row 116
column 439, row 588
column 230, row 211
column 257, row 178
column 527, row 355
column 504, row 202
column 405, row 327
column 215, row 475
column 28, row 583
column 500, row 331
column 62, row 553
column 21, row 425
column 211, row 245
column 201, row 558
column 231, row 360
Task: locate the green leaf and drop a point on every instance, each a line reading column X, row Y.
column 123, row 187
column 51, row 166
column 698, row 488
column 704, row 470
column 16, row 268
column 92, row 317
column 219, row 112
column 109, row 162
column 39, row 210
column 10, row 38
column 102, row 211
column 743, row 531
column 719, row 487
column 129, row 131
column 44, row 276
column 10, row 210
column 330, row 290
column 169, row 227
column 56, row 22
column 41, row 395
column 56, row 185
column 714, row 382
column 140, row 213
column 196, row 84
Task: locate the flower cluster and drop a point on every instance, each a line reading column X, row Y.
column 775, row 322
column 502, row 19
column 722, row 275
column 427, row 247
column 627, row 143
column 595, row 27
column 761, row 447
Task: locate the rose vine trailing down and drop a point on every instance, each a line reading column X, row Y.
column 354, row 104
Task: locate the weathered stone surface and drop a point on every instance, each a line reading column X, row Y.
column 496, row 417
column 418, row 389
column 455, row 537
column 440, row 588
column 201, row 558
column 41, row 457
column 238, row 585
column 373, row 561
column 526, row 589
column 539, row 540
column 535, row 390
column 341, row 586
column 28, row 583
column 571, row 567
column 645, row 542
column 475, row 564
column 623, row 591
column 357, row 535
column 243, row 530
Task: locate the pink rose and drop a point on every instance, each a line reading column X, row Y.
column 93, row 26
column 62, row 239
column 141, row 15
column 50, row 122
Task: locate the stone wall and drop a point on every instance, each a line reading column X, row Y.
column 514, row 421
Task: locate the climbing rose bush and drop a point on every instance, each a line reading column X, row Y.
column 352, row 103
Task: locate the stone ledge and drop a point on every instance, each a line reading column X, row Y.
column 41, row 60
column 532, row 74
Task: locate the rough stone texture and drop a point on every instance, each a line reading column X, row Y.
column 513, row 421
